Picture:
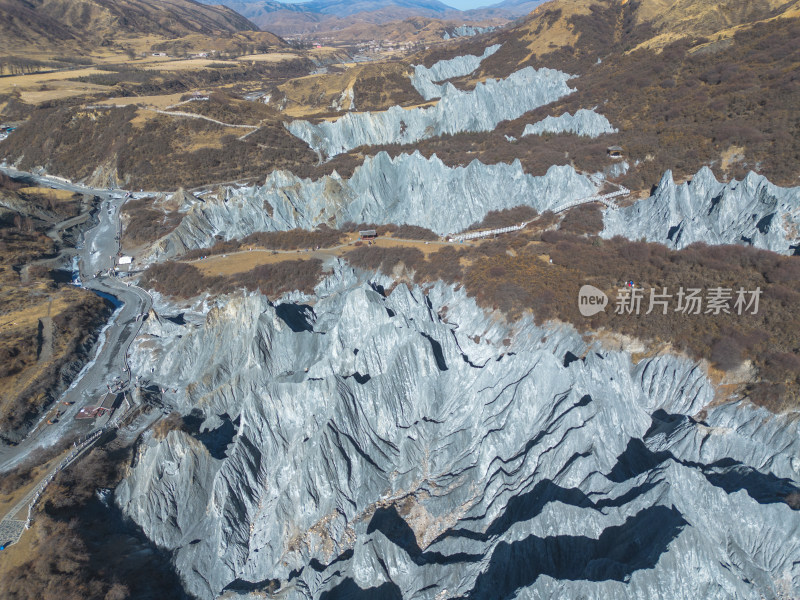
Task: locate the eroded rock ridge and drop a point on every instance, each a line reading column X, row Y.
column 410, row 445
column 752, row 211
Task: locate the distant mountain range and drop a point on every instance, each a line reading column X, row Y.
column 335, row 15
column 34, row 24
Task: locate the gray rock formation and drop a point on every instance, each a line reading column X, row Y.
column 413, row 446
column 407, row 189
column 480, row 109
column 466, row 31
column 751, row 212
column 424, row 79
column 584, row 122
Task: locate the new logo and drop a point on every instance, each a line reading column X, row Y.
column 591, row 300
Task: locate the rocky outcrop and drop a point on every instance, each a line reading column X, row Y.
column 584, row 122
column 407, row 189
column 413, row 446
column 751, row 212
column 466, row 31
column 480, row 109
column 425, row 79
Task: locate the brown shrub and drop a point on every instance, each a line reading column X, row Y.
column 385, row 259
column 7, row 183
column 218, row 248
column 444, row 264
column 182, row 280
column 275, row 279
column 79, row 547
column 175, row 279
column 726, row 353
column 495, row 219
column 583, row 219
column 413, row 232
column 144, row 224
column 322, row 237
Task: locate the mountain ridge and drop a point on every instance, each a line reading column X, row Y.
column 335, row 15
column 34, row 24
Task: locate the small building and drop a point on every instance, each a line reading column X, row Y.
column 91, row 412
column 368, row 234
column 124, row 264
column 615, row 151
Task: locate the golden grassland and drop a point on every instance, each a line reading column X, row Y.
column 700, row 18
column 241, row 261
column 189, row 64
column 41, row 87
column 270, row 57
column 20, row 553
column 59, row 195
column 159, row 101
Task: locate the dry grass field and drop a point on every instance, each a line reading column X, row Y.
column 44, row 87
column 160, row 102
column 245, row 260
column 270, row 57
column 189, row 64
column 49, row 193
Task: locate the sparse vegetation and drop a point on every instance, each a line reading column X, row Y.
column 583, row 219
column 414, row 232
column 322, row 237
column 294, row 239
column 495, row 219
column 688, row 105
column 144, row 224
column 186, row 281
column 33, row 368
column 514, row 274
column 82, row 549
column 692, row 104
column 162, row 153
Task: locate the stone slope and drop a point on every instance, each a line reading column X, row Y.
column 407, row 189
column 467, row 31
column 751, row 212
column 424, row 79
column 413, row 446
column 480, row 109
column 584, row 122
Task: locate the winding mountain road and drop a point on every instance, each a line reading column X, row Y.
column 109, row 361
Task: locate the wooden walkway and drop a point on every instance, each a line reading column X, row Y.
column 12, row 526
column 607, row 199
